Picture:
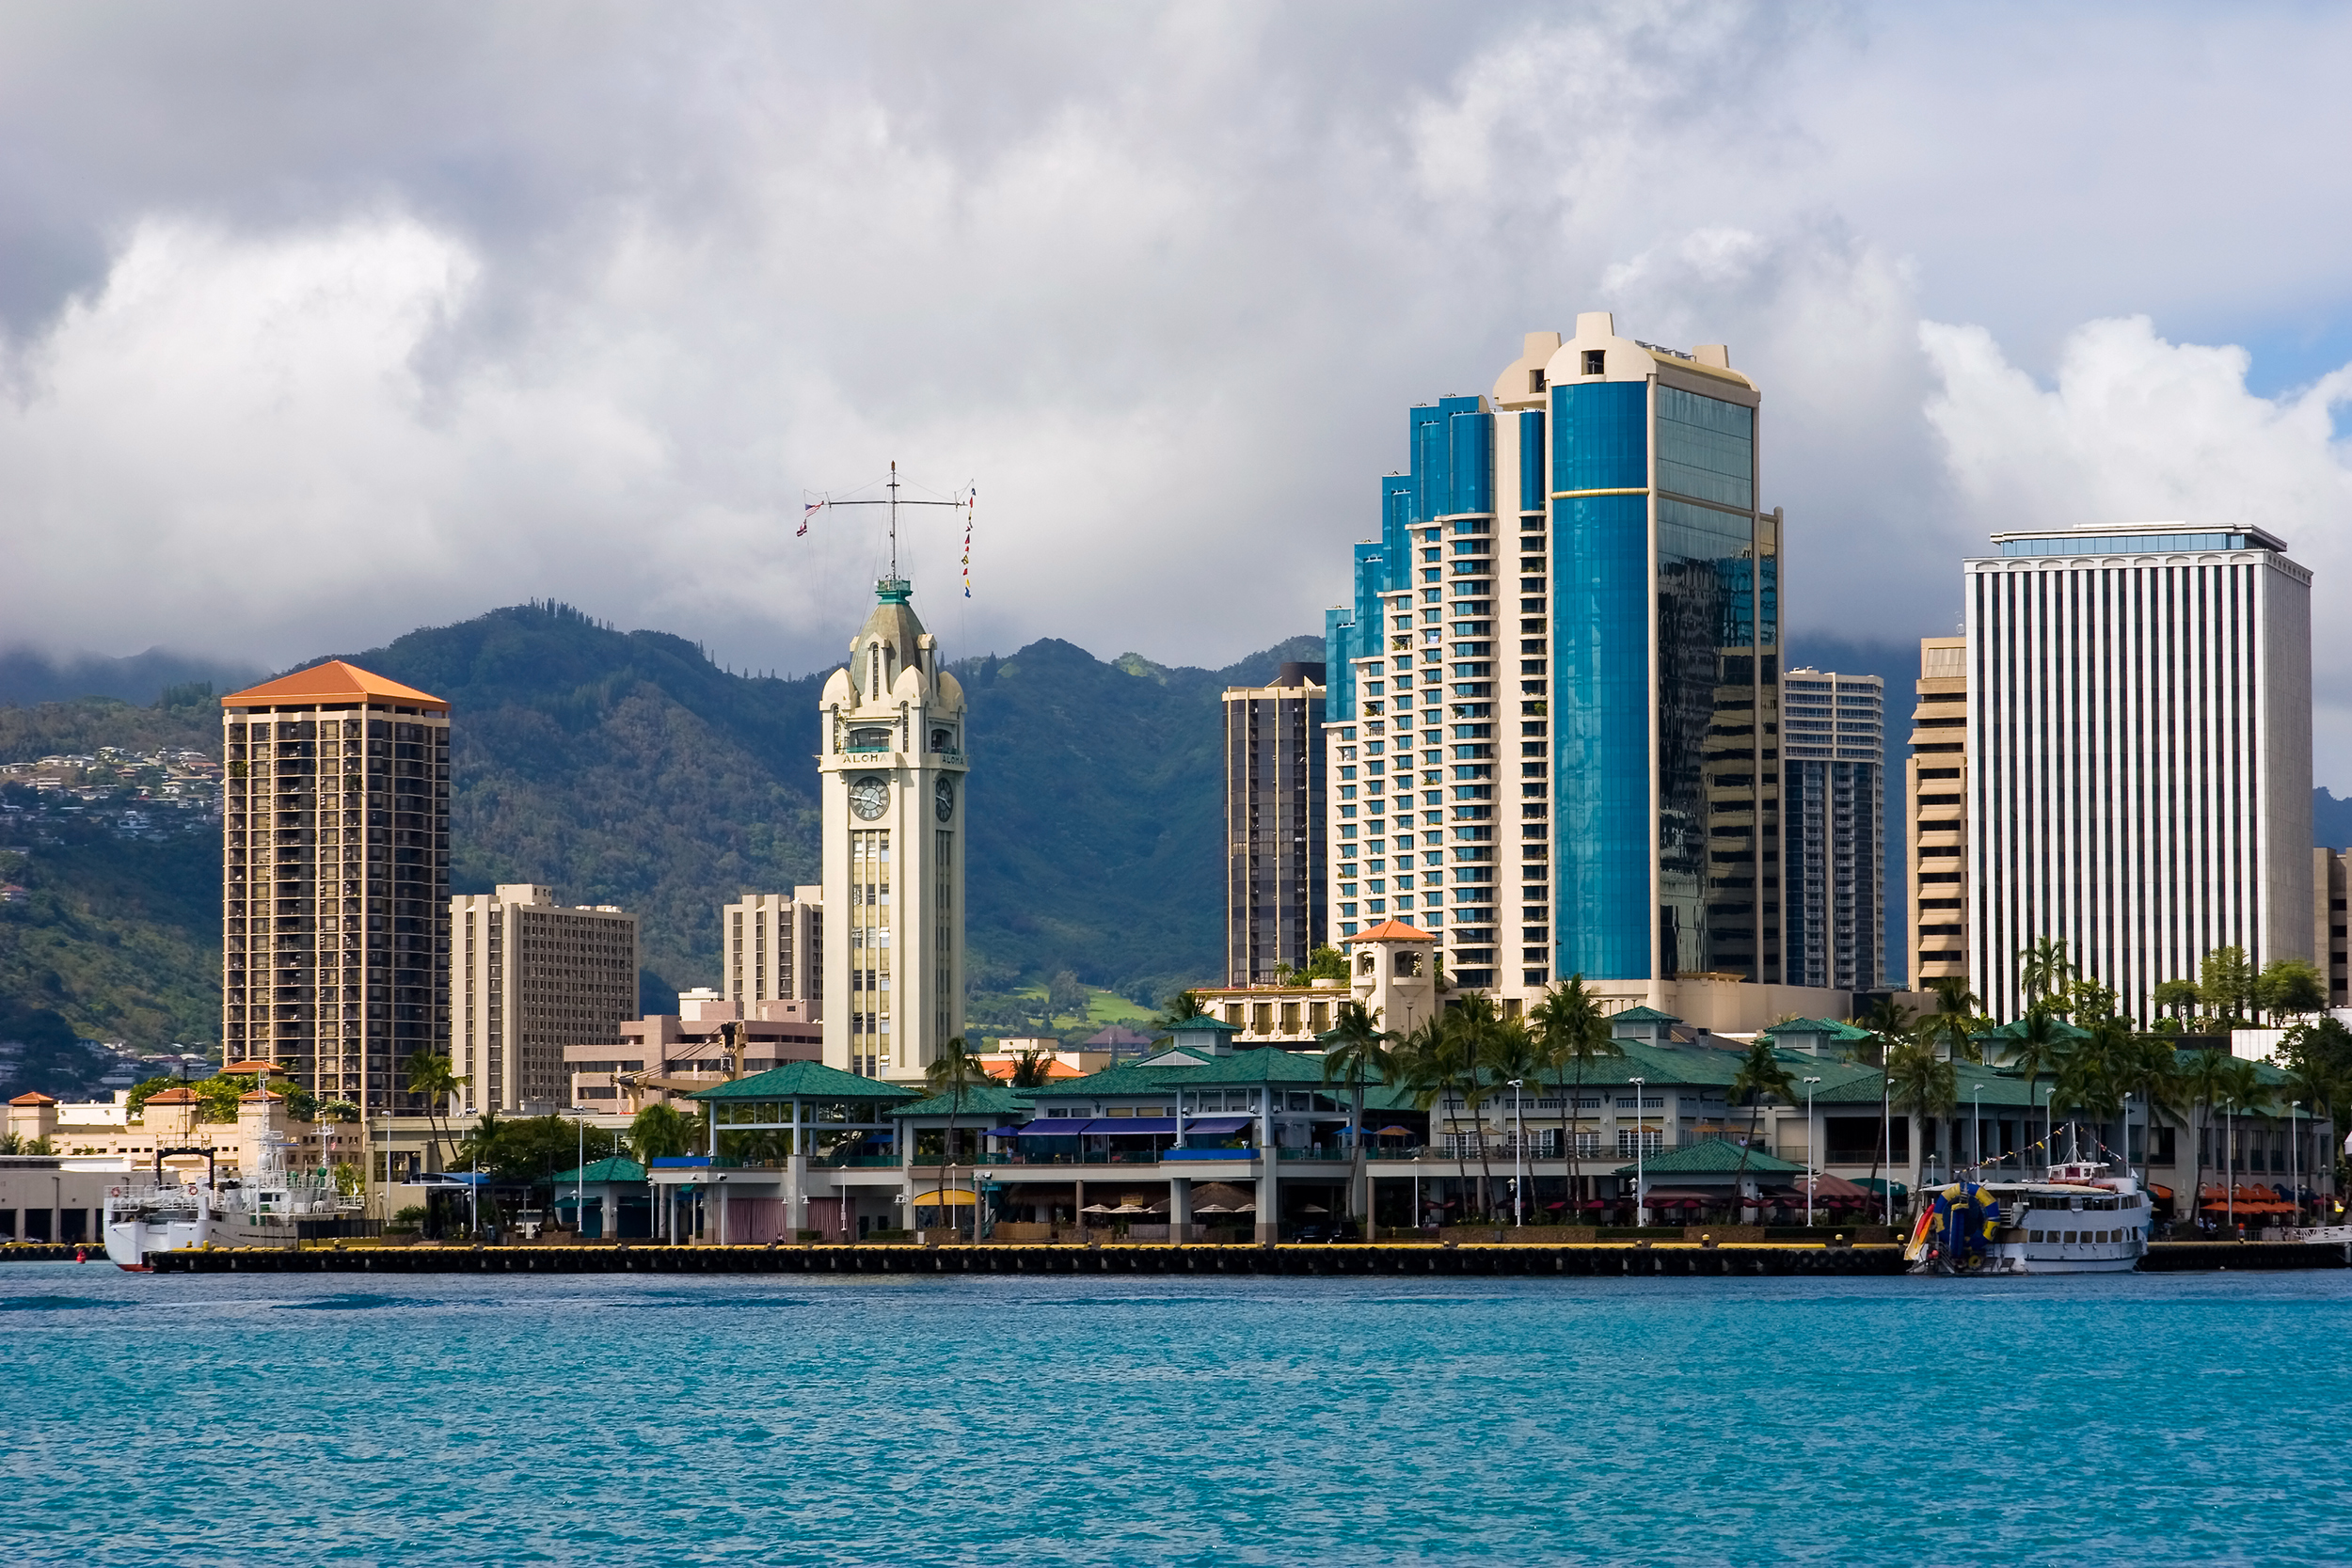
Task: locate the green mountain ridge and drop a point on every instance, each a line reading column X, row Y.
column 625, row 767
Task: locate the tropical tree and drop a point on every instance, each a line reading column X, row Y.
column 660, row 1132
column 2150, row 1068
column 1759, row 1074
column 2036, row 1050
column 2225, row 983
column 1184, row 1006
column 1507, row 1056
column 2043, row 969
column 1435, row 1068
column 1325, row 963
column 2177, row 997
column 955, row 1072
column 2089, row 1078
column 1952, row 1022
column 431, row 1080
column 2289, row 986
column 1031, row 1067
column 2203, row 1084
column 1570, row 1035
column 1359, row 1052
column 2312, row 1084
column 1920, row 1085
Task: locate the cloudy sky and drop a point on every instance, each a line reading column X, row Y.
column 318, row 322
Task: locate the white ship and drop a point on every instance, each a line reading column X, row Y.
column 2080, row 1220
column 266, row 1209
column 2076, row 1220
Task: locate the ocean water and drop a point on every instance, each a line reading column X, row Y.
column 2140, row 1420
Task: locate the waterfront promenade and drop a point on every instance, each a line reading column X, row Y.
column 1590, row 1261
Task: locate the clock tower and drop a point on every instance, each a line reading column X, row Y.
column 893, row 769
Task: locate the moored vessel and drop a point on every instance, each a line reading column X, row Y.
column 2079, row 1219
column 165, row 1211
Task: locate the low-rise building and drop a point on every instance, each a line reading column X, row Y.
column 709, row 1040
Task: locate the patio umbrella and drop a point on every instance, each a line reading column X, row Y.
column 1131, row 1209
column 1247, row 1208
column 1315, row 1209
column 1393, row 1133
column 1097, row 1208
column 1212, row 1208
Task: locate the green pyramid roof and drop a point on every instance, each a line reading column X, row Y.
column 614, row 1168
column 1715, row 1157
column 806, row 1080
column 1642, row 1015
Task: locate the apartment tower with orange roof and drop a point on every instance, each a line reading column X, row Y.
column 335, row 936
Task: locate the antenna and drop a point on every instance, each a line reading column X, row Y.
column 894, row 585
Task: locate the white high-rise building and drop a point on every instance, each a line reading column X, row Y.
column 2139, row 736
column 772, row 948
column 893, row 771
column 1834, row 829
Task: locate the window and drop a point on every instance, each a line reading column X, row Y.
column 1535, row 380
column 1595, row 361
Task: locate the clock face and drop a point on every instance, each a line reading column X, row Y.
column 869, row 797
column 943, row 799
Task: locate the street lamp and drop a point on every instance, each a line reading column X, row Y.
column 1518, row 1151
column 1810, row 1163
column 1975, row 1131
column 2294, row 1177
column 1639, row 1206
column 579, row 1173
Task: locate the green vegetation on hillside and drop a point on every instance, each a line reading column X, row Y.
column 625, row 767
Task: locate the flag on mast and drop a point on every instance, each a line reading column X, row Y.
column 807, row 513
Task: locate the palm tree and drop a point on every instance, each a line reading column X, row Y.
column 1920, row 1085
column 430, row 1079
column 2091, row 1074
column 2150, row 1069
column 1031, row 1067
column 1359, row 1051
column 1434, row 1069
column 955, row 1072
column 2312, row 1084
column 1507, row 1054
column 2205, row 1081
column 660, row 1132
column 1570, row 1035
column 2036, row 1050
column 1761, row 1073
column 2043, row 970
column 1952, row 1020
column 1185, row 1005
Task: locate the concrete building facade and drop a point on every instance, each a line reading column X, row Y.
column 893, row 771
column 1553, row 701
column 773, row 948
column 1275, row 883
column 2330, row 884
column 2140, row 720
column 531, row 978
column 335, row 946
column 1834, row 830
column 1935, row 816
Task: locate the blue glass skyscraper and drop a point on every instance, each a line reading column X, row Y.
column 1553, row 703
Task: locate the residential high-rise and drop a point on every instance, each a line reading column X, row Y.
column 1274, row 824
column 1553, row 706
column 772, row 948
column 1834, row 830
column 893, row 768
column 528, row 977
column 1935, row 785
column 334, row 880
column 2140, row 724
column 2330, row 885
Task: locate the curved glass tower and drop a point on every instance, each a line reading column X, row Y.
column 1554, row 705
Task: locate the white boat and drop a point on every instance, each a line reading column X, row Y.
column 162, row 1213
column 2078, row 1219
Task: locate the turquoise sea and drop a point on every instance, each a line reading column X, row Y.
column 2140, row 1420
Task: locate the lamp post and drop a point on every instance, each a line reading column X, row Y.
column 1519, row 1152
column 2049, row 1133
column 579, row 1174
column 1639, row 1207
column 1810, row 1163
column 2295, row 1156
column 1976, row 1130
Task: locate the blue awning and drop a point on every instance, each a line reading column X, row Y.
column 1054, row 1127
column 1216, row 1126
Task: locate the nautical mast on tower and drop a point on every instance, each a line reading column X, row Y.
column 894, row 581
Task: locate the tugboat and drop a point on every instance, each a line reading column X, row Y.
column 162, row 1213
column 2078, row 1219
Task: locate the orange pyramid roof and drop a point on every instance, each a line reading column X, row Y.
column 1390, row 931
column 332, row 682
column 174, row 1096
column 33, row 1098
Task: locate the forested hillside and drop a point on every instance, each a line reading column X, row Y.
column 625, row 767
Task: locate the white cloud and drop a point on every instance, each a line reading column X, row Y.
column 324, row 326
column 2136, row 429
